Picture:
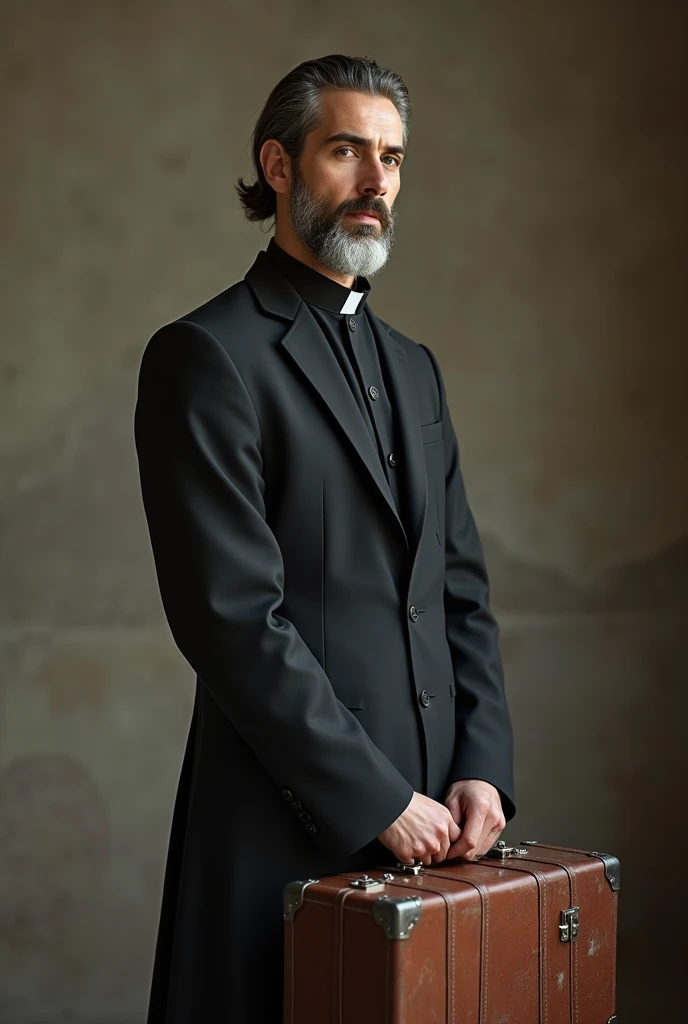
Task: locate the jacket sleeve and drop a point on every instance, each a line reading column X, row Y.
column 483, row 747
column 221, row 578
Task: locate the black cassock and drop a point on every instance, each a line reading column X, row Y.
column 321, row 572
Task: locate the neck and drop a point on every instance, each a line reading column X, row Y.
column 287, row 240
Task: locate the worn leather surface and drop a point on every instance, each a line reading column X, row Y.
column 486, row 949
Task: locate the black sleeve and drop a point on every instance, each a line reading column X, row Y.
column 484, row 741
column 221, row 578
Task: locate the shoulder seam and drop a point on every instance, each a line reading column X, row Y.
column 210, row 334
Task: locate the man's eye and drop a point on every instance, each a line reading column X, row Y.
column 347, row 149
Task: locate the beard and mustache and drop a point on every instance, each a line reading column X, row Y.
column 359, row 251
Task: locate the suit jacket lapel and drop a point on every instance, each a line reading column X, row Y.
column 403, row 400
column 304, row 344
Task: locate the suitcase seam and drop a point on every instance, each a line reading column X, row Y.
column 338, row 1008
column 541, row 881
column 484, row 940
column 450, row 904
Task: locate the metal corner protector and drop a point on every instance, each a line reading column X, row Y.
column 397, row 915
column 612, row 869
column 292, row 897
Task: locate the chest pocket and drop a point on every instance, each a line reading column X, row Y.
column 431, row 432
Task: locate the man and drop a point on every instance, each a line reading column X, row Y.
column 318, row 563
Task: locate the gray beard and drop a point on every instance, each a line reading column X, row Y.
column 361, row 252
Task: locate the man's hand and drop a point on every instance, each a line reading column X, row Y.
column 476, row 808
column 425, row 830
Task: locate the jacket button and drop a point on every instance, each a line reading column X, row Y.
column 373, row 392
column 352, row 323
column 287, row 794
column 413, row 614
column 392, row 459
column 424, row 698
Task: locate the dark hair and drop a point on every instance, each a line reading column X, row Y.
column 293, row 109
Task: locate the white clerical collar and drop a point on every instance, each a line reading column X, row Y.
column 317, row 289
column 351, row 304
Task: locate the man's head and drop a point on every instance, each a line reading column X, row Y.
column 327, row 149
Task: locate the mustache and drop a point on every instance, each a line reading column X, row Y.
column 378, row 210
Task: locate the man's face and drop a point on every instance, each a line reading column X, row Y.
column 342, row 191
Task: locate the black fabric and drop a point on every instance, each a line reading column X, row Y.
column 351, row 338
column 315, row 288
column 314, row 618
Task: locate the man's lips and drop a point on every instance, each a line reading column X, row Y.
column 369, row 218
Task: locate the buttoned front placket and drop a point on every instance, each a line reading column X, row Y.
column 362, row 349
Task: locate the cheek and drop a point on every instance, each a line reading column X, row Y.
column 334, row 188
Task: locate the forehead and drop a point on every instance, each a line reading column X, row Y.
column 356, row 112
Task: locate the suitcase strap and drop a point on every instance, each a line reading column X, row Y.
column 447, row 895
column 573, row 946
column 574, row 899
column 484, row 950
column 573, row 949
column 541, row 880
column 338, row 956
column 542, row 907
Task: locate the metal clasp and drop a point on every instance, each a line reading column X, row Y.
column 410, row 869
column 570, row 921
column 501, row 851
column 367, row 883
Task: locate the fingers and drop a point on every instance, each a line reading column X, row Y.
column 452, row 837
column 453, row 852
column 478, row 835
column 432, row 848
column 487, row 840
column 471, row 833
column 467, row 826
column 453, row 833
column 483, row 825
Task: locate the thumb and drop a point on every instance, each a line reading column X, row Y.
column 454, row 832
column 471, row 832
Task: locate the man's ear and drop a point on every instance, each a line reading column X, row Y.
column 276, row 164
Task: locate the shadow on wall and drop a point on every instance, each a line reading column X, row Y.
column 653, row 584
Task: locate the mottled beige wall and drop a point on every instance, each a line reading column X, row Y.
column 540, row 254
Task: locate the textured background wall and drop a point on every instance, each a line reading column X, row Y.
column 540, row 254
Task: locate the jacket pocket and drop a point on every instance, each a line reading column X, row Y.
column 350, row 698
column 430, row 432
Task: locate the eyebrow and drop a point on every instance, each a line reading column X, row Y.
column 360, row 140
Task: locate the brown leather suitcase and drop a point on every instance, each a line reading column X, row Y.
column 525, row 935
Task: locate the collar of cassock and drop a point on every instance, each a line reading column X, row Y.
column 315, row 288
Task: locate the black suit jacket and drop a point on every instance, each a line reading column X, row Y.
column 341, row 662
column 314, row 622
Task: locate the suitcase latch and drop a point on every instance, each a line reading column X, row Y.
column 367, row 883
column 501, row 851
column 568, row 929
